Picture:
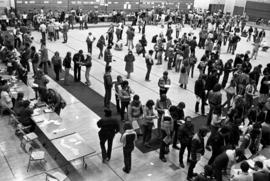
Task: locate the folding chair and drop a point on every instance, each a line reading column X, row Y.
column 34, row 155
column 56, row 176
column 26, row 137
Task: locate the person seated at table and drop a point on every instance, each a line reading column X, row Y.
column 243, row 175
column 5, row 100
column 18, row 103
column 260, row 174
column 55, row 101
column 25, row 116
column 108, row 128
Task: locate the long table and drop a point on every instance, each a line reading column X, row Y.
column 73, row 147
column 52, row 125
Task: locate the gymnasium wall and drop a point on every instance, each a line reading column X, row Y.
column 259, row 9
column 25, row 5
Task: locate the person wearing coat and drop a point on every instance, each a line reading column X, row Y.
column 185, row 135
column 108, row 128
column 57, row 64
column 108, row 55
column 197, row 150
column 199, row 90
column 184, row 71
column 129, row 59
column 44, row 59
column 100, row 44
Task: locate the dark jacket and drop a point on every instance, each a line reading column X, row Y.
column 197, row 146
column 108, row 127
column 67, row 62
column 199, row 88
column 221, row 161
column 261, row 176
column 185, row 134
column 78, row 58
column 107, row 81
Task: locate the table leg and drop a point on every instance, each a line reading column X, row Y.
column 84, row 163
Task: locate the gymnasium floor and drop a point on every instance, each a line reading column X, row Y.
column 13, row 160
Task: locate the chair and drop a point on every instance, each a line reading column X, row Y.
column 26, row 137
column 34, row 155
column 56, row 176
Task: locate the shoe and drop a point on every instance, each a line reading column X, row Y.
column 147, row 80
column 163, row 159
column 124, row 170
column 182, row 165
column 176, row 147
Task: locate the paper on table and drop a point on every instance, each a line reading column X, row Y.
column 48, row 110
column 78, row 142
column 260, row 158
column 251, row 163
column 59, row 130
column 247, row 153
column 72, row 140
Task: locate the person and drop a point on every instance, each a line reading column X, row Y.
column 185, row 135
column 143, row 42
column 192, row 62
column 135, row 113
column 108, row 55
column 149, row 63
column 67, row 65
column 255, row 50
column 89, row 41
column 217, row 142
column 110, row 35
column 118, row 87
column 78, row 58
column 65, row 31
column 5, row 99
column 166, row 136
column 215, row 100
column 25, row 56
column 34, row 59
column 43, row 30
column 250, row 31
column 108, row 128
column 129, row 59
column 260, row 174
column 223, row 160
column 108, row 83
column 44, row 59
column 100, row 44
column 199, row 90
column 265, row 141
column 57, row 64
column 197, row 150
column 41, row 82
column 193, row 44
column 264, row 88
column 207, row 175
column 25, row 116
column 128, row 139
column 18, row 103
column 183, row 80
column 164, row 83
column 130, row 37
column 88, row 64
column 177, row 115
column 125, row 97
column 244, row 175
column 227, row 70
column 162, row 104
column 149, row 116
column 249, row 94
column 55, row 101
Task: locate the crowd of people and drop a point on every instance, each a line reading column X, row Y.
column 240, row 122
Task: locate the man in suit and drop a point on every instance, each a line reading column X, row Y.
column 260, row 174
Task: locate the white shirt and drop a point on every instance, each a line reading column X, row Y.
column 42, row 27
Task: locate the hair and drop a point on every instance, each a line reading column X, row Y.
column 151, row 52
column 149, row 103
column 165, row 73
column 244, row 166
column 33, row 48
column 208, row 170
column 127, row 126
column 181, row 105
column 80, row 51
column 259, row 164
column 136, row 97
column 108, row 112
column 217, row 87
column 20, row 95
